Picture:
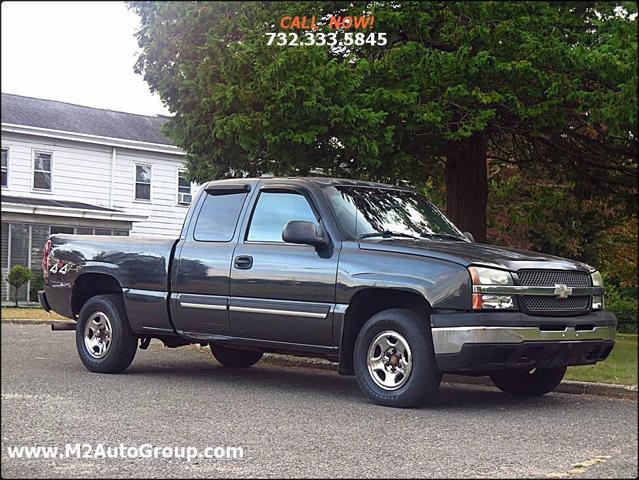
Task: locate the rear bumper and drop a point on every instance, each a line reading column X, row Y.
column 42, row 298
column 486, row 341
column 58, row 299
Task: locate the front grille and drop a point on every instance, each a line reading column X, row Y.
column 554, row 304
column 550, row 278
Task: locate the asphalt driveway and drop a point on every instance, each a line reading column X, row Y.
column 289, row 421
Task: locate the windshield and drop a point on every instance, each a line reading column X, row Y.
column 366, row 212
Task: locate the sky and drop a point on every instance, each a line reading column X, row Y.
column 76, row 52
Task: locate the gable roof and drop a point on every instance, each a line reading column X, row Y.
column 68, row 117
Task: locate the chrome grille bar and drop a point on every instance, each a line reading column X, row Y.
column 532, row 290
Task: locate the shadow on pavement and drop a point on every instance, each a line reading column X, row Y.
column 324, row 383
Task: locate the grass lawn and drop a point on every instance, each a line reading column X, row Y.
column 619, row 367
column 12, row 313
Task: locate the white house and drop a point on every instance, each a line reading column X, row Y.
column 74, row 169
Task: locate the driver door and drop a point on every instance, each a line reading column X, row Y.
column 282, row 291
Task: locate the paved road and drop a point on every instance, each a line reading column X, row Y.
column 290, row 422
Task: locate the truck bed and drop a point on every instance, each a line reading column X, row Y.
column 141, row 267
column 136, row 262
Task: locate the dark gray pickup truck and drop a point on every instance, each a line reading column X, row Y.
column 369, row 275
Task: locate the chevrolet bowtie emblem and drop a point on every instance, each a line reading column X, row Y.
column 562, row 291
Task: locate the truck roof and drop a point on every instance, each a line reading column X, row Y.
column 322, row 181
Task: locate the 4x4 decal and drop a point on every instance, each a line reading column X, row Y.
column 61, row 267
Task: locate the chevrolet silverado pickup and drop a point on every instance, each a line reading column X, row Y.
column 368, row 275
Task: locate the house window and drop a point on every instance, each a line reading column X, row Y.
column 143, row 182
column 184, row 189
column 5, row 167
column 42, row 171
column 57, row 229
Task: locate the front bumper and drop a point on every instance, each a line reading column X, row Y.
column 485, row 341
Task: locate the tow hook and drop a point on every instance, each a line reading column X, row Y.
column 144, row 343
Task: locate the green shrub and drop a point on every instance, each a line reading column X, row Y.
column 623, row 303
column 37, row 284
column 18, row 276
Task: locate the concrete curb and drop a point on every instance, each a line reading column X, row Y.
column 36, row 321
column 567, row 386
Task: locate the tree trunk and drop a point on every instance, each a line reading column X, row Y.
column 467, row 185
column 16, row 288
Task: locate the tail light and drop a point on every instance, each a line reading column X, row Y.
column 45, row 260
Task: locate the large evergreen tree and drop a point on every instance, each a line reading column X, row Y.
column 549, row 86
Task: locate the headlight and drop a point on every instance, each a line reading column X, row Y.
column 597, row 280
column 490, row 276
column 597, row 300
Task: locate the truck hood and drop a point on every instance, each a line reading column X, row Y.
column 466, row 254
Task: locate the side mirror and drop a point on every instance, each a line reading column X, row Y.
column 306, row 233
column 469, row 236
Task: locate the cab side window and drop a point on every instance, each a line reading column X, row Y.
column 273, row 211
column 218, row 217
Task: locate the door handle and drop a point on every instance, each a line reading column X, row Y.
column 243, row 262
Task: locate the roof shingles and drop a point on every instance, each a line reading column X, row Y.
column 54, row 115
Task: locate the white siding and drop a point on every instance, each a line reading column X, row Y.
column 82, row 172
column 165, row 216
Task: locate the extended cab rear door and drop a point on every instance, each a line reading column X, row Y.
column 200, row 275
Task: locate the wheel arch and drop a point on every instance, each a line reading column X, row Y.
column 90, row 284
column 366, row 303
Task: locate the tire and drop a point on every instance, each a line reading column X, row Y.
column 234, row 357
column 116, row 351
column 537, row 383
column 393, row 388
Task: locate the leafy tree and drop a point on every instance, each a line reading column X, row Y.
column 550, row 87
column 553, row 216
column 18, row 276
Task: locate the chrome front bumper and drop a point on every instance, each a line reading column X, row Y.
column 486, row 341
column 451, row 340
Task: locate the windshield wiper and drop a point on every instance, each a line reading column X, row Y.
column 386, row 234
column 443, row 235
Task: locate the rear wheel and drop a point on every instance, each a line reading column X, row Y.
column 394, row 359
column 103, row 337
column 233, row 357
column 532, row 383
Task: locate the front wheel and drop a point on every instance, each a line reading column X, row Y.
column 233, row 357
column 103, row 337
column 394, row 359
column 531, row 383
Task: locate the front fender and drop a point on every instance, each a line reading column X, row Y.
column 444, row 285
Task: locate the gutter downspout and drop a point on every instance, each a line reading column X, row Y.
column 111, row 187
